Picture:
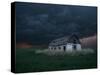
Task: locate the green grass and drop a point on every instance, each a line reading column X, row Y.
column 28, row 61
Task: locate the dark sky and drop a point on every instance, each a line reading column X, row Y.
column 41, row 23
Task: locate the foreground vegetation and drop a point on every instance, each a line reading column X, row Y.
column 28, row 61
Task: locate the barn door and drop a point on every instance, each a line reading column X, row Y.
column 74, row 42
column 64, row 48
column 74, row 47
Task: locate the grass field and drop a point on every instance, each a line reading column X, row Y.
column 28, row 61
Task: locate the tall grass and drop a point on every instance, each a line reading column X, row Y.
column 28, row 61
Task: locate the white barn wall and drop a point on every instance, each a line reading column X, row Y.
column 69, row 47
column 57, row 48
column 78, row 47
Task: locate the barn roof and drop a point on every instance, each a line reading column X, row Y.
column 64, row 40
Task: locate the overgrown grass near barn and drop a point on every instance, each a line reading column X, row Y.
column 28, row 61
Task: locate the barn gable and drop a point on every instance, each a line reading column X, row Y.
column 74, row 39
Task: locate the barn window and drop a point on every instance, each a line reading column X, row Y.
column 51, row 48
column 59, row 47
column 54, row 48
column 74, row 41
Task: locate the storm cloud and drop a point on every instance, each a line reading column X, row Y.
column 41, row 23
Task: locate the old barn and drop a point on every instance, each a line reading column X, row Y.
column 66, row 43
